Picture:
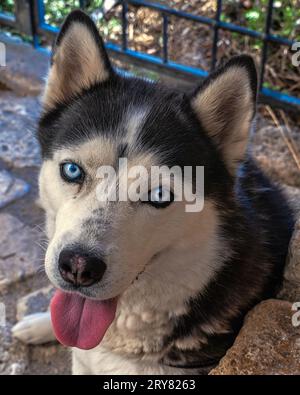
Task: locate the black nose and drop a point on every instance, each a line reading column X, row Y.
column 80, row 268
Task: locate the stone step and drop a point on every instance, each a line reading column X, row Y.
column 11, row 188
column 25, row 69
column 18, row 119
column 20, row 253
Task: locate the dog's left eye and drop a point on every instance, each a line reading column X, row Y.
column 71, row 172
column 160, row 197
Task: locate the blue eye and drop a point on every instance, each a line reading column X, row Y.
column 160, row 197
column 71, row 172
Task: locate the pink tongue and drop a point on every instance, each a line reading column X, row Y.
column 80, row 322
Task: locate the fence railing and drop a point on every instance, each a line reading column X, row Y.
column 30, row 18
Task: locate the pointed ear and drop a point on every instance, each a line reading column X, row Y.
column 225, row 106
column 79, row 60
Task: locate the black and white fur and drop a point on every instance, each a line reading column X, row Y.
column 185, row 280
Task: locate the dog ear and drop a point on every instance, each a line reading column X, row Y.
column 225, row 106
column 79, row 60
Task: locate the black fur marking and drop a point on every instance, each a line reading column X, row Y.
column 122, row 150
column 204, row 358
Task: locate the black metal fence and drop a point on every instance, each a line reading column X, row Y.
column 30, row 18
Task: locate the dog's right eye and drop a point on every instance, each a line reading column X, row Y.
column 160, row 197
column 71, row 172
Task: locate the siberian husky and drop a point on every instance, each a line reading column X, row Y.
column 146, row 287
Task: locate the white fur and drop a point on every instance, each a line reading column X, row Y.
column 34, row 329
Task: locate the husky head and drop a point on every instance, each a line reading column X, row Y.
column 100, row 248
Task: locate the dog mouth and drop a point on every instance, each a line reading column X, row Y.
column 81, row 322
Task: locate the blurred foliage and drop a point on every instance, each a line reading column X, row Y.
column 253, row 14
column 7, row 6
column 57, row 10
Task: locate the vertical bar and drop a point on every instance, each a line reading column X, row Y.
column 41, row 12
column 216, row 35
column 124, row 24
column 264, row 53
column 82, row 4
column 24, row 17
column 165, row 37
column 33, row 21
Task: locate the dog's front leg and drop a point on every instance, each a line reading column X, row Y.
column 34, row 329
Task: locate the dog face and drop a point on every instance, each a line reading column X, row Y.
column 92, row 118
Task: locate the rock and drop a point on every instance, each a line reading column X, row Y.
column 35, row 302
column 293, row 196
column 290, row 291
column 292, row 272
column 291, row 286
column 267, row 344
column 13, row 355
column 272, row 153
column 50, row 360
column 18, row 118
column 20, row 255
column 11, row 188
column 25, row 68
column 19, row 151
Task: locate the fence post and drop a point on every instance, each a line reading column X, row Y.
column 23, row 16
column 264, row 53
